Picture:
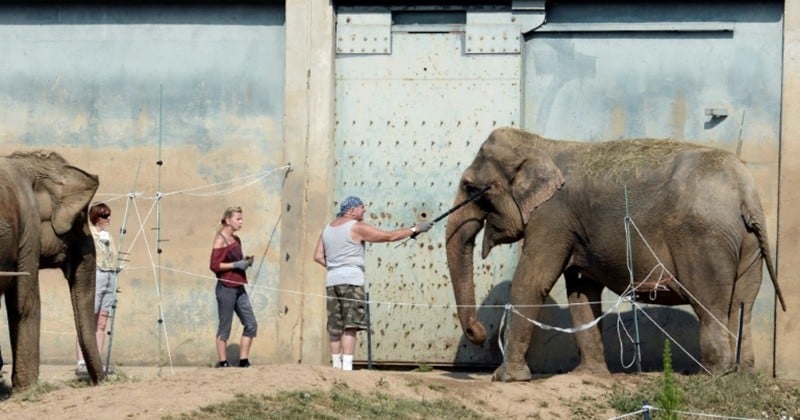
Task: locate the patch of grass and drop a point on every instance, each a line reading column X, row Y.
column 437, row 387
column 424, row 368
column 738, row 395
column 116, row 376
column 35, row 392
column 413, row 383
column 670, row 400
column 339, row 402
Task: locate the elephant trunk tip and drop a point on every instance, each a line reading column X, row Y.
column 476, row 333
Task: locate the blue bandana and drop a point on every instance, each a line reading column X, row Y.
column 350, row 202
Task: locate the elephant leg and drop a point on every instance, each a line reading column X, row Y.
column 584, row 298
column 533, row 279
column 744, row 295
column 706, row 275
column 24, row 316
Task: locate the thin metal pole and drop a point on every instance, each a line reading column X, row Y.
column 637, row 343
column 160, row 164
column 369, row 336
column 115, row 276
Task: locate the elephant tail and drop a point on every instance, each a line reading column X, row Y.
column 753, row 217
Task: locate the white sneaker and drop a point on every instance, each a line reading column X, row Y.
column 80, row 369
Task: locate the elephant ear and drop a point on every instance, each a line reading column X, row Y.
column 69, row 194
column 536, row 180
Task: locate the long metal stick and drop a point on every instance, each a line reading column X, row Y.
column 474, row 196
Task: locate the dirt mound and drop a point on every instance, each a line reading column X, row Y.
column 146, row 393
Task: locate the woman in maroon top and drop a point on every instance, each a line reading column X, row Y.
column 229, row 264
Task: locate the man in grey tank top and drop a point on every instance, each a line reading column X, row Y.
column 340, row 250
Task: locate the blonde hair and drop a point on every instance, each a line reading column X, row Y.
column 228, row 213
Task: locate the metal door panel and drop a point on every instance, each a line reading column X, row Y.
column 407, row 125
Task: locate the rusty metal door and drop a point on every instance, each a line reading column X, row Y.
column 415, row 98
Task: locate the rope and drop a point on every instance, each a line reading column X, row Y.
column 671, row 339
column 158, row 289
column 675, row 279
column 621, row 345
column 569, row 330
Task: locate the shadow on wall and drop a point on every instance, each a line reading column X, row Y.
column 556, row 352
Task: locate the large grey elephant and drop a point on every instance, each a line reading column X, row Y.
column 43, row 224
column 697, row 207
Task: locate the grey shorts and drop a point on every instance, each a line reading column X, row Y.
column 347, row 309
column 104, row 291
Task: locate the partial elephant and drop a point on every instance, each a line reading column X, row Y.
column 43, row 224
column 696, row 206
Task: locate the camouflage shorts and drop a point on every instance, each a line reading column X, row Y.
column 347, row 309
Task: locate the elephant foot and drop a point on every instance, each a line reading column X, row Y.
column 512, row 373
column 598, row 368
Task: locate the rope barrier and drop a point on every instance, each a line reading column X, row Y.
column 675, row 279
column 246, row 181
column 646, row 408
column 672, row 339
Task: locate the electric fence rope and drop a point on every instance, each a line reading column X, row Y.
column 663, row 331
column 253, row 179
column 163, row 322
column 647, row 408
column 675, row 279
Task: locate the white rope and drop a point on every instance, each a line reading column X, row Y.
column 621, row 345
column 637, row 412
column 716, row 416
column 670, row 337
column 696, row 414
column 570, row 330
column 158, row 289
column 675, row 279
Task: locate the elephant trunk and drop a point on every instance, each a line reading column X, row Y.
column 462, row 227
column 81, row 277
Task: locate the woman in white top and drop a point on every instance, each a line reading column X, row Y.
column 340, row 250
column 100, row 219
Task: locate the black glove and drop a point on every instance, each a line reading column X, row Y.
column 241, row 264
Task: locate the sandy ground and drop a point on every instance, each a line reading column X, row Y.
column 150, row 393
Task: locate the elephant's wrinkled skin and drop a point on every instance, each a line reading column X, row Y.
column 696, row 206
column 43, row 224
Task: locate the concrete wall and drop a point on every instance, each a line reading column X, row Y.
column 787, row 358
column 227, row 113
column 115, row 90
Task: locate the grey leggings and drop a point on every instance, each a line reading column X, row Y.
column 230, row 300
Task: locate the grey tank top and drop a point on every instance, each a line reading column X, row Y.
column 344, row 258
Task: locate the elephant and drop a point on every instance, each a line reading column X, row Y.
column 697, row 208
column 43, row 224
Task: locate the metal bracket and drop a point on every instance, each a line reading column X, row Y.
column 364, row 32
column 501, row 32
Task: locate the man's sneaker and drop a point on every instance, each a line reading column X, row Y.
column 222, row 364
column 80, row 369
column 244, row 363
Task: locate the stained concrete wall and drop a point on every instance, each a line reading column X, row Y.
column 296, row 126
column 787, row 358
column 116, row 90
